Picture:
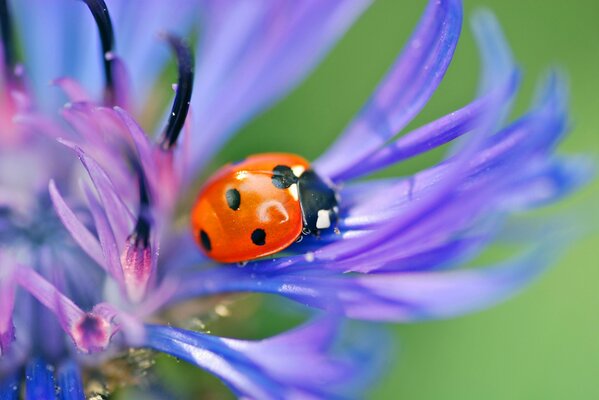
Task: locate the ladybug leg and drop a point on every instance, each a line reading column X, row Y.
column 318, row 202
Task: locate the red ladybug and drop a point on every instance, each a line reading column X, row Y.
column 260, row 206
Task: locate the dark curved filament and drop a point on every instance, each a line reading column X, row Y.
column 102, row 17
column 141, row 232
column 6, row 31
column 184, row 88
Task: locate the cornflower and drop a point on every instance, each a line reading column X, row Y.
column 92, row 258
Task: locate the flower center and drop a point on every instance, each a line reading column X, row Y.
column 36, row 227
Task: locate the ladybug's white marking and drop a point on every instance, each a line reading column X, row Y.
column 265, row 214
column 241, row 175
column 298, row 170
column 324, row 219
column 293, row 191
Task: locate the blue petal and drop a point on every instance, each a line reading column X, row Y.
column 497, row 58
column 403, row 93
column 499, row 74
column 39, row 381
column 69, row 382
column 473, row 180
column 549, row 182
column 9, row 387
column 398, row 297
column 296, row 364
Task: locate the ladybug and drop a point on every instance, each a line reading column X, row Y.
column 260, row 206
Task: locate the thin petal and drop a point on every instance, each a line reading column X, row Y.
column 73, row 90
column 429, row 136
column 84, row 238
column 403, row 93
column 548, row 183
column 497, row 57
column 9, row 387
column 120, row 217
column 110, row 248
column 476, row 174
column 296, row 364
column 39, row 381
column 7, row 303
column 499, row 73
column 398, row 297
column 65, row 310
column 69, row 382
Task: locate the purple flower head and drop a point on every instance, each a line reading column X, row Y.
column 93, row 249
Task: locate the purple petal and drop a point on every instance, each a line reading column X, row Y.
column 403, row 93
column 7, row 303
column 398, row 297
column 121, row 83
column 548, row 183
column 89, row 331
column 252, row 54
column 108, row 242
column 139, row 137
column 499, row 74
column 296, row 364
column 428, row 137
column 39, row 381
column 66, row 311
column 497, row 58
column 82, row 236
column 120, row 217
column 477, row 174
column 74, row 91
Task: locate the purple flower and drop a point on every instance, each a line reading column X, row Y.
column 92, row 257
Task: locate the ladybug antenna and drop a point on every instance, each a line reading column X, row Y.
column 8, row 45
column 141, row 232
column 184, row 88
column 102, row 17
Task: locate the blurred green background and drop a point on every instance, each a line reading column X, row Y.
column 543, row 344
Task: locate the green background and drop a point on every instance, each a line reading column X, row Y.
column 543, row 344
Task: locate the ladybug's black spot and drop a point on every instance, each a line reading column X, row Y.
column 259, row 237
column 233, row 199
column 283, row 177
column 205, row 240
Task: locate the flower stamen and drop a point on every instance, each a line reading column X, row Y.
column 183, row 95
column 91, row 333
column 100, row 13
column 6, row 32
column 136, row 258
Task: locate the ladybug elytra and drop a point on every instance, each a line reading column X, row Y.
column 260, row 206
